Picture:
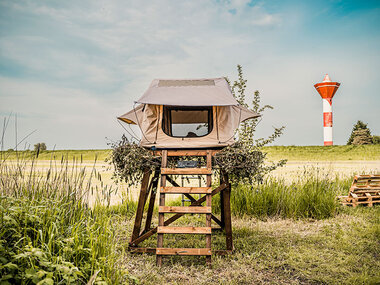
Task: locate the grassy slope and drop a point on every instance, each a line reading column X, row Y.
column 324, row 153
column 306, row 153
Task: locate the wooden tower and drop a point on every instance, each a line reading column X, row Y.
column 148, row 191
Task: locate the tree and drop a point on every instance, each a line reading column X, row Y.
column 362, row 136
column 376, row 139
column 39, row 147
column 358, row 126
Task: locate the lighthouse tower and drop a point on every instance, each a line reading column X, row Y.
column 327, row 91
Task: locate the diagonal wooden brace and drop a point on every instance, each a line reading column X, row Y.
column 192, row 199
column 198, row 202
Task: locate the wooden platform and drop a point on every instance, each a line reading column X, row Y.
column 202, row 206
column 365, row 190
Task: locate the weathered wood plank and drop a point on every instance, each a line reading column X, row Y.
column 184, row 210
column 153, row 250
column 191, row 152
column 140, row 205
column 184, row 230
column 183, row 251
column 161, row 217
column 186, row 190
column 186, row 171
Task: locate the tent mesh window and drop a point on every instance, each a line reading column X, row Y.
column 187, row 122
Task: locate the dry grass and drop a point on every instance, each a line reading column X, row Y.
column 339, row 250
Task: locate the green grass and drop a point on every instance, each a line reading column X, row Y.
column 48, row 234
column 324, row 153
column 84, row 155
column 295, row 153
column 311, row 197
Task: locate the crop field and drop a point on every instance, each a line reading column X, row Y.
column 288, row 230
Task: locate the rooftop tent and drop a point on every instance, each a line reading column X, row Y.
column 190, row 113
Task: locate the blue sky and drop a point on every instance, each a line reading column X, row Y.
column 68, row 68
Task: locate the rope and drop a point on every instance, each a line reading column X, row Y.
column 127, row 131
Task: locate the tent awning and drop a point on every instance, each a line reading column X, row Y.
column 189, row 92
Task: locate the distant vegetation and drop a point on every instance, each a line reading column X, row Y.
column 361, row 135
column 299, row 153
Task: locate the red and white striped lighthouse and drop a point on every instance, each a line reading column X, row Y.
column 327, row 91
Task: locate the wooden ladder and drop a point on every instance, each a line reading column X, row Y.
column 162, row 229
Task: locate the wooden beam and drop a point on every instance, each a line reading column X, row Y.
column 161, row 218
column 191, row 152
column 186, row 171
column 183, row 251
column 186, row 190
column 184, row 230
column 153, row 250
column 208, row 204
column 175, row 217
column 141, row 204
column 152, row 200
column 227, row 213
column 184, row 210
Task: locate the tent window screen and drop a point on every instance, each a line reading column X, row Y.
column 187, row 122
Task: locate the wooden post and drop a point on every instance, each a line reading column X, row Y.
column 227, row 212
column 140, row 206
column 221, row 195
column 152, row 200
column 161, row 217
column 208, row 204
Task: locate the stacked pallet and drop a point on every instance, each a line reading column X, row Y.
column 365, row 189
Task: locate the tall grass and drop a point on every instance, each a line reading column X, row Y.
column 48, row 233
column 312, row 196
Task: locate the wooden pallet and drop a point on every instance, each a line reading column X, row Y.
column 365, row 190
column 193, row 209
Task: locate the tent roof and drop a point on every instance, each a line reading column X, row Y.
column 189, row 92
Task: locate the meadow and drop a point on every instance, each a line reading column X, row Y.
column 285, row 232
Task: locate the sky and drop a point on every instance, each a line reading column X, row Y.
column 69, row 68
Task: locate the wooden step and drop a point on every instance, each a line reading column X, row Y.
column 188, row 152
column 183, row 251
column 186, row 190
column 184, row 230
column 184, row 171
column 184, row 210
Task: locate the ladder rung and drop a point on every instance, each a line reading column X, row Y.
column 184, row 171
column 184, row 230
column 183, row 251
column 184, row 210
column 189, row 190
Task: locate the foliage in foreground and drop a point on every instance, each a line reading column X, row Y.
column 48, row 234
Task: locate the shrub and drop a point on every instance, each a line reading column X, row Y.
column 39, row 147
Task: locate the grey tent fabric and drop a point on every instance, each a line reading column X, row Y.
column 189, row 92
